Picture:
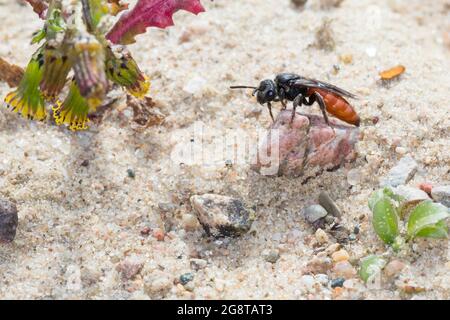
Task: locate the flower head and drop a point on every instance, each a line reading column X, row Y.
column 57, row 65
column 27, row 99
column 89, row 70
column 123, row 70
column 73, row 111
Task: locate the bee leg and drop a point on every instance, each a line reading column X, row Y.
column 322, row 106
column 269, row 106
column 296, row 103
column 282, row 97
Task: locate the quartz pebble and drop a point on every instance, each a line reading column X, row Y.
column 198, row 264
column 321, row 236
column 8, row 220
column 189, row 222
column 354, row 177
column 401, row 173
column 307, row 282
column 393, row 268
column 344, row 269
column 341, row 255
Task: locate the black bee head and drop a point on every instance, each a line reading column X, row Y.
column 266, row 92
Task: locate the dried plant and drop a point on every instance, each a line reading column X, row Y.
column 80, row 46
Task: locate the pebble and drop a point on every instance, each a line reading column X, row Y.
column 354, row 177
column 344, row 269
column 426, row 187
column 271, row 255
column 338, row 282
column 442, row 194
column 393, row 268
column 322, row 279
column 321, row 236
column 319, row 265
column 307, row 281
column 189, row 222
column 332, row 248
column 145, row 231
column 158, row 233
column 8, row 220
column 411, row 195
column 314, row 213
column 185, row 278
column 403, row 172
column 346, row 58
column 131, row 174
column 198, row 264
column 329, row 205
column 371, row 51
column 306, row 146
column 222, row 216
column 341, row 255
column 130, row 267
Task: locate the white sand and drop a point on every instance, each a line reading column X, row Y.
column 76, row 224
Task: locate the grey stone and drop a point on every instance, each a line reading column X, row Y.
column 329, row 205
column 271, row 255
column 404, row 171
column 222, row 216
column 410, row 194
column 8, row 220
column 441, row 194
column 314, row 213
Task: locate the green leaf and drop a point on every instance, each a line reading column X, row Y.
column 38, row 36
column 385, row 220
column 370, row 267
column 428, row 220
column 383, row 193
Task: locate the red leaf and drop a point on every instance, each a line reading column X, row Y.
column 149, row 13
column 39, row 6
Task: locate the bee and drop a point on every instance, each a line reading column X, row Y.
column 305, row 91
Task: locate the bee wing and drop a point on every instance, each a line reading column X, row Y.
column 312, row 83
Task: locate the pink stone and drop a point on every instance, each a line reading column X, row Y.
column 306, row 146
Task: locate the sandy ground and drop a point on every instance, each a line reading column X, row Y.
column 78, row 223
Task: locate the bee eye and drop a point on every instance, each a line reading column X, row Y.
column 271, row 93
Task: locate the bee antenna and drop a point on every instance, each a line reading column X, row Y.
column 243, row 87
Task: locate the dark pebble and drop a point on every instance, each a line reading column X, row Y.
column 185, row 278
column 131, row 173
column 338, row 282
column 8, row 220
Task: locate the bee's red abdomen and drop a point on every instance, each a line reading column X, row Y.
column 338, row 106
